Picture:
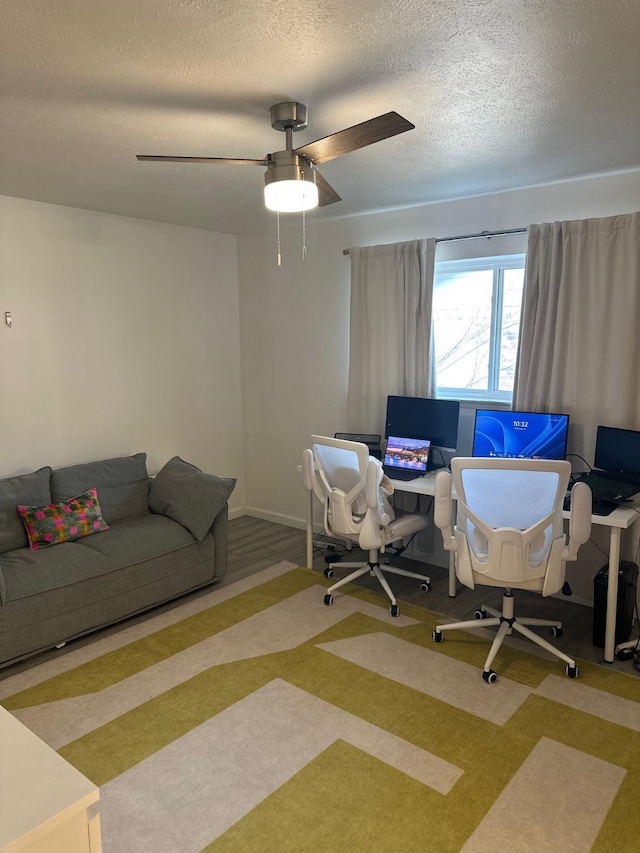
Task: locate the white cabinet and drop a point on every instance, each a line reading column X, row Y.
column 46, row 805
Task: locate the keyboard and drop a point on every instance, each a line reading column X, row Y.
column 598, row 507
column 607, row 489
column 402, row 473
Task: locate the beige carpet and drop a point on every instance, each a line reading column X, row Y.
column 257, row 719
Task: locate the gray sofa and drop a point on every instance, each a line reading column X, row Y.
column 167, row 535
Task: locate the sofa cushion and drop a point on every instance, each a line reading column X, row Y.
column 147, row 538
column 122, row 484
column 30, row 573
column 22, row 489
column 58, row 593
column 189, row 496
column 52, row 523
column 140, row 539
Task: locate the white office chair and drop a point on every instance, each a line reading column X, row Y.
column 509, row 533
column 355, row 493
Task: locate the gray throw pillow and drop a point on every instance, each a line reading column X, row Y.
column 122, row 484
column 29, row 489
column 189, row 496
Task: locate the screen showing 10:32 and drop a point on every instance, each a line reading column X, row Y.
column 520, row 435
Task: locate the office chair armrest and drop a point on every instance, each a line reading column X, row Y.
column 579, row 520
column 373, row 479
column 442, row 509
column 309, row 477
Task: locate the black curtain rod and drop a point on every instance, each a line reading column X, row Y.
column 486, row 234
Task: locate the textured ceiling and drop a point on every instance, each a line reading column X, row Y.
column 503, row 93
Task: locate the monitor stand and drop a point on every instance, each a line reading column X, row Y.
column 437, row 459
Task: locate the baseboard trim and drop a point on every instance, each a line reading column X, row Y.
column 276, row 517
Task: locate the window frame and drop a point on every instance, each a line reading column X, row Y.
column 497, row 264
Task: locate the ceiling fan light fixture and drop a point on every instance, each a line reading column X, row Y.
column 291, row 196
column 290, row 183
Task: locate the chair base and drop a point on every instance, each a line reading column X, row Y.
column 377, row 569
column 506, row 622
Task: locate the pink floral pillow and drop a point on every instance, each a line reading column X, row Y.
column 63, row 522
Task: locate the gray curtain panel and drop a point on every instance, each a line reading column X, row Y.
column 580, row 341
column 390, row 344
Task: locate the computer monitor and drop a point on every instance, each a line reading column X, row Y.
column 425, row 418
column 617, row 450
column 520, row 435
column 373, row 442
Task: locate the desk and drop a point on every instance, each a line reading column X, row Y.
column 46, row 805
column 427, row 486
column 620, row 519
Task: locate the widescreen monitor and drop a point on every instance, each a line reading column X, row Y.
column 425, row 418
column 520, row 435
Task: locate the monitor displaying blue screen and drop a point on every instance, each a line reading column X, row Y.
column 520, row 435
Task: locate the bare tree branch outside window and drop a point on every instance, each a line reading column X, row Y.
column 475, row 341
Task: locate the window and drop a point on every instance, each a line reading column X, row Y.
column 476, row 323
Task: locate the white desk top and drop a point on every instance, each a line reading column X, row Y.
column 36, row 784
column 623, row 516
column 420, row 486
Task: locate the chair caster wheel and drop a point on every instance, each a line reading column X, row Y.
column 480, row 614
column 436, row 636
column 572, row 671
column 394, row 610
column 556, row 631
column 328, row 573
column 490, row 677
column 425, row 587
column 328, row 599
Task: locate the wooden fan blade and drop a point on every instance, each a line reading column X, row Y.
column 326, row 193
column 231, row 161
column 352, row 138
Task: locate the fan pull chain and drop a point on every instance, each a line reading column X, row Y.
column 304, row 236
column 279, row 255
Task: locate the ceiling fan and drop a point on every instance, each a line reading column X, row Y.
column 292, row 182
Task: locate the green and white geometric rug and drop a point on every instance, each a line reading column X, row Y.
column 257, row 719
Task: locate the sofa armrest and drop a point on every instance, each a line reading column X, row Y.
column 220, row 533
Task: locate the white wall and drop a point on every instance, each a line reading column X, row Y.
column 125, row 338
column 126, row 333
column 295, row 319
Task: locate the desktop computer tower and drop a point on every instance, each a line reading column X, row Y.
column 627, row 582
